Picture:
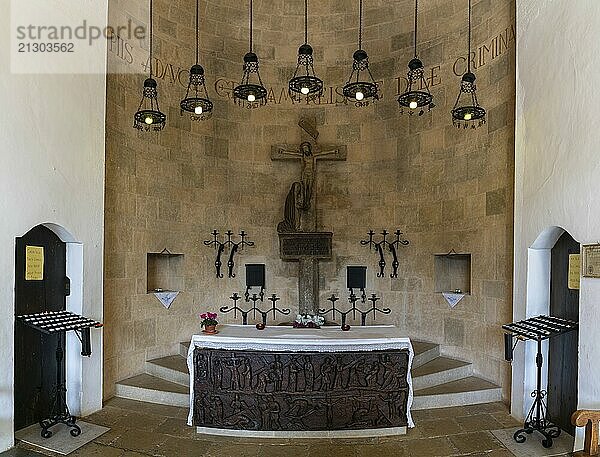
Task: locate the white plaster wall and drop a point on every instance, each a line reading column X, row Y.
column 557, row 161
column 51, row 170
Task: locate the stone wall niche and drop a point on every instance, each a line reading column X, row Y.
column 452, row 273
column 164, row 272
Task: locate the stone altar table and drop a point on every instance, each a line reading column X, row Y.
column 283, row 382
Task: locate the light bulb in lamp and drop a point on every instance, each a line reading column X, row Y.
column 198, row 110
column 360, row 96
column 251, row 97
column 148, row 120
column 305, row 90
column 413, row 105
column 468, row 116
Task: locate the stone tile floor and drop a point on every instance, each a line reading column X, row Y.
column 144, row 429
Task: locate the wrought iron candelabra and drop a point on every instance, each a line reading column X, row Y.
column 221, row 246
column 381, row 246
column 354, row 309
column 254, row 309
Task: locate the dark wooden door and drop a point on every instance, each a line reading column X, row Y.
column 35, row 353
column 562, row 353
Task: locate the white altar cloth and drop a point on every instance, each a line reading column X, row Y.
column 284, row 338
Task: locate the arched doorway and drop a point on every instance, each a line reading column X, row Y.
column 41, row 285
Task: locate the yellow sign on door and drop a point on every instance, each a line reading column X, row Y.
column 574, row 271
column 34, row 263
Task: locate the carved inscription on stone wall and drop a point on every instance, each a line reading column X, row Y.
column 312, row 244
column 251, row 390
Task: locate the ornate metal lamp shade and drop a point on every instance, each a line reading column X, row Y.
column 248, row 93
column 416, row 97
column 196, row 101
column 305, row 82
column 148, row 116
column 359, row 88
column 466, row 111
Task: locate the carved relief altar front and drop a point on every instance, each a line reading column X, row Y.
column 278, row 381
column 287, row 391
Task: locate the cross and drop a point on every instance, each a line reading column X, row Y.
column 299, row 240
column 300, row 206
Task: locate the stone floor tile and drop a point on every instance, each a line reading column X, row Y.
column 140, row 441
column 493, row 407
column 19, row 452
column 331, row 450
column 439, row 427
column 150, row 408
column 431, row 447
column 478, row 422
column 398, row 449
column 111, row 436
column 106, row 417
column 468, row 443
column 181, row 447
column 506, row 420
column 98, row 450
column 290, row 450
column 438, row 413
column 173, row 426
column 140, row 420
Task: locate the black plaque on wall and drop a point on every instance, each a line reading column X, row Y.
column 278, row 391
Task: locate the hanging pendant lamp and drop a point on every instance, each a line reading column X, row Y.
column 466, row 111
column 305, row 82
column 148, row 116
column 196, row 100
column 416, row 97
column 357, row 89
column 247, row 93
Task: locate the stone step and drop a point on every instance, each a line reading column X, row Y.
column 148, row 388
column 467, row 391
column 440, row 370
column 424, row 352
column 172, row 368
column 183, row 348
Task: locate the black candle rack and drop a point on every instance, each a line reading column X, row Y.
column 354, row 309
column 254, row 309
column 220, row 246
column 380, row 246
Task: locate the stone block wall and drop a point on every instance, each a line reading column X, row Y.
column 444, row 188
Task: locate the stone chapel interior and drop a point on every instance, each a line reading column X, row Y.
column 389, row 186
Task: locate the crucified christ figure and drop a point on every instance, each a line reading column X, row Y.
column 300, row 211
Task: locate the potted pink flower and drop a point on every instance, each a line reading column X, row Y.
column 209, row 322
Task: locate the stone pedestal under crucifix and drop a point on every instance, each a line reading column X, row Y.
column 299, row 239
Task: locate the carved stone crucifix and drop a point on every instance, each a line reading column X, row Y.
column 300, row 213
column 299, row 240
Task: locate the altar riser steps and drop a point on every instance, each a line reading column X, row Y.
column 165, row 381
column 456, row 399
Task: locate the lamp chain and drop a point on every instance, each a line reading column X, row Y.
column 150, row 39
column 305, row 21
column 197, row 31
column 416, row 24
column 469, row 55
column 360, row 24
column 251, row 26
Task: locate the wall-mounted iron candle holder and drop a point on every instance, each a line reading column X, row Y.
column 221, row 246
column 354, row 310
column 391, row 246
column 263, row 313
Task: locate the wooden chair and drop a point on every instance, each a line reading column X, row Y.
column 589, row 419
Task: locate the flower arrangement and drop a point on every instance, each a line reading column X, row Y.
column 308, row 321
column 208, row 319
